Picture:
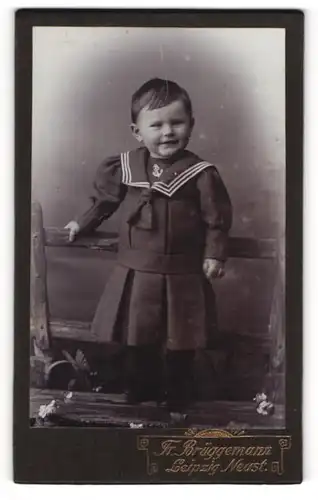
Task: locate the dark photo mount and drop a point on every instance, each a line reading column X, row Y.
column 246, row 424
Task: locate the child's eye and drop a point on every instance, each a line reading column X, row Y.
column 155, row 125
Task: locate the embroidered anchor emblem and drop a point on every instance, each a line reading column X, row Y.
column 156, row 171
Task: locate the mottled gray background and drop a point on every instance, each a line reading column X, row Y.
column 83, row 79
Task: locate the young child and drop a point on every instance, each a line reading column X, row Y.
column 176, row 214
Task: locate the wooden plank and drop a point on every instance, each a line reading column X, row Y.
column 277, row 332
column 80, row 331
column 38, row 300
column 247, row 248
column 71, row 330
column 102, row 409
column 250, row 248
column 55, row 237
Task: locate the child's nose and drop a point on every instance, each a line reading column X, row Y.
column 167, row 129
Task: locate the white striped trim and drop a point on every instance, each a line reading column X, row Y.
column 185, row 173
column 162, row 187
column 126, row 172
column 172, row 187
column 125, row 167
column 138, row 184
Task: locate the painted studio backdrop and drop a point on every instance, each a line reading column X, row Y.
column 83, row 79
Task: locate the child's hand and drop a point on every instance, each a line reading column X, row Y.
column 74, row 228
column 213, row 268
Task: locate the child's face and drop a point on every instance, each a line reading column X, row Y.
column 164, row 131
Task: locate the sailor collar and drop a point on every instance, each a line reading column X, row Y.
column 133, row 166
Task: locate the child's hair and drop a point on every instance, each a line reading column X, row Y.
column 157, row 93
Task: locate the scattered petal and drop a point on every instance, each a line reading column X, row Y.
column 133, row 425
column 68, row 396
column 98, row 388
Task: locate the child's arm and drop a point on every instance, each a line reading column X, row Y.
column 108, row 193
column 216, row 210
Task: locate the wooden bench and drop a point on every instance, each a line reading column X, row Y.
column 45, row 332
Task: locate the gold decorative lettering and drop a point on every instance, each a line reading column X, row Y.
column 167, row 447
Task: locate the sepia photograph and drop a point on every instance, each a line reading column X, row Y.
column 158, row 227
column 158, row 246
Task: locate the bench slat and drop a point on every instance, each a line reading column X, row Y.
column 246, row 248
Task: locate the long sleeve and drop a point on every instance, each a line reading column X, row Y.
column 107, row 194
column 216, row 210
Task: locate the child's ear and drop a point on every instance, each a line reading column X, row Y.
column 135, row 132
column 192, row 122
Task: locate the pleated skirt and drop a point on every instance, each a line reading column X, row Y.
column 176, row 311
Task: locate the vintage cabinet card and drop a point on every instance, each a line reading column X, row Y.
column 158, row 319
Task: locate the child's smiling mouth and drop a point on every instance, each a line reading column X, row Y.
column 172, row 141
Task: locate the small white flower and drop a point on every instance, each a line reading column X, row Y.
column 264, row 407
column 260, row 396
column 47, row 410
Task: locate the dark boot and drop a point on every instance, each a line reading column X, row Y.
column 179, row 371
column 144, row 375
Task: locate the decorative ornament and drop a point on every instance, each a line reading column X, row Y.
column 157, row 171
